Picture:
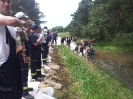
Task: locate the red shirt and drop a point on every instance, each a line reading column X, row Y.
column 89, row 41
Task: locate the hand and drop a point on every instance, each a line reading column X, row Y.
column 41, row 36
column 42, row 49
column 29, row 22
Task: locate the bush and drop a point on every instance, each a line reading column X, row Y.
column 124, row 39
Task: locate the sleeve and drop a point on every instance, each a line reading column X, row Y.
column 32, row 38
column 12, row 30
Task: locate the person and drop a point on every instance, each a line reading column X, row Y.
column 10, row 71
column 24, row 57
column 38, row 34
column 50, row 38
column 54, row 37
column 89, row 53
column 34, row 52
column 75, row 39
column 62, row 40
column 44, row 48
column 76, row 48
column 89, row 42
column 81, row 49
column 68, row 41
column 92, row 49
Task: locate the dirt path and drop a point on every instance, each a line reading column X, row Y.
column 63, row 75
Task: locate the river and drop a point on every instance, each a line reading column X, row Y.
column 118, row 65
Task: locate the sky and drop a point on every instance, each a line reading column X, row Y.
column 57, row 11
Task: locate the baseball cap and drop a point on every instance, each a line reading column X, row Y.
column 34, row 26
column 20, row 15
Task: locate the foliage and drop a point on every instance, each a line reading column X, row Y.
column 124, row 39
column 59, row 29
column 29, row 7
column 103, row 20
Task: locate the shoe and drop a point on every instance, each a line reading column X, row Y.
column 26, row 95
column 42, row 76
column 30, row 89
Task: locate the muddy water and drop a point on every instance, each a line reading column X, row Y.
column 120, row 66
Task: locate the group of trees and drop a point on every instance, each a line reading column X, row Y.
column 59, row 29
column 104, row 20
column 29, row 7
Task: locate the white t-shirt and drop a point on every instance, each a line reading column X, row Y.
column 4, row 48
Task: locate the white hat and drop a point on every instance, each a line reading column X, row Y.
column 20, row 15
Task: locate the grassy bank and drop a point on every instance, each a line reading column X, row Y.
column 110, row 47
column 88, row 82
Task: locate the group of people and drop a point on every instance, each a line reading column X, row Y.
column 67, row 40
column 85, row 48
column 21, row 42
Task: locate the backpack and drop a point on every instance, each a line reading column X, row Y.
column 76, row 48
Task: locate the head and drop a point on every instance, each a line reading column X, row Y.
column 34, row 28
column 5, row 6
column 39, row 29
column 21, row 16
column 45, row 27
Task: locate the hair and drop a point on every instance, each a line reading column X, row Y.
column 45, row 27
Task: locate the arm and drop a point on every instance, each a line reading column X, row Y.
column 38, row 41
column 11, row 21
column 28, row 26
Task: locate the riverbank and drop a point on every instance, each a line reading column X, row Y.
column 109, row 47
column 84, row 81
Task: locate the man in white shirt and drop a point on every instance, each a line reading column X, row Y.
column 10, row 72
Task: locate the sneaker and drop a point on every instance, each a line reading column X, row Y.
column 26, row 95
column 42, row 76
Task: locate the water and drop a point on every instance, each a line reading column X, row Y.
column 120, row 66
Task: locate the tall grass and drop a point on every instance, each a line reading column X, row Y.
column 88, row 82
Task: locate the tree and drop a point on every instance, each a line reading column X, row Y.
column 29, row 7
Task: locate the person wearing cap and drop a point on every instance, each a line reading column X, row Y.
column 10, row 71
column 44, row 45
column 22, row 32
column 34, row 49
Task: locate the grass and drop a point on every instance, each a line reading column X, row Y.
column 64, row 34
column 88, row 82
column 110, row 47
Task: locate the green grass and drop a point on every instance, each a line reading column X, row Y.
column 110, row 47
column 89, row 82
column 64, row 34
